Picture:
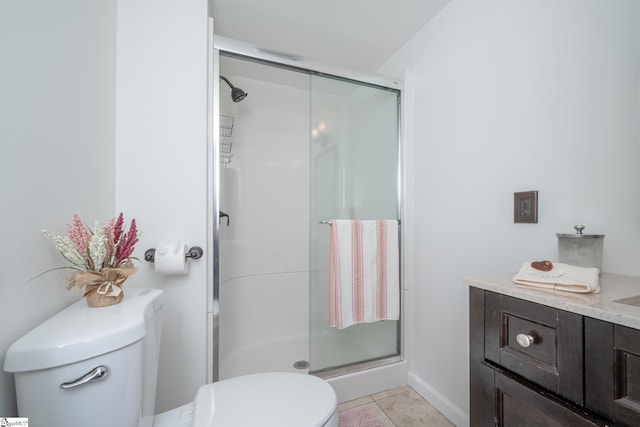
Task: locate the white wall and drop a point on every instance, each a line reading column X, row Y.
column 161, row 175
column 514, row 96
column 57, row 132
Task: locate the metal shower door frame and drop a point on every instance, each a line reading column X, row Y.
column 229, row 47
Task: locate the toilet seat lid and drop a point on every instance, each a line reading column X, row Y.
column 277, row 399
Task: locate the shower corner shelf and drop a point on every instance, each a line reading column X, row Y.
column 226, row 143
column 226, row 125
column 225, row 146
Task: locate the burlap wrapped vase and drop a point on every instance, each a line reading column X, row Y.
column 103, row 295
column 102, row 288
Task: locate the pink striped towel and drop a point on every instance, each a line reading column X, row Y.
column 364, row 282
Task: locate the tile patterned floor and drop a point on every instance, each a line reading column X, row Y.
column 398, row 407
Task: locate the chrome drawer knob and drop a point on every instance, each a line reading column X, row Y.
column 524, row 340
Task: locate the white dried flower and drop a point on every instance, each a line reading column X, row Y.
column 66, row 248
column 98, row 247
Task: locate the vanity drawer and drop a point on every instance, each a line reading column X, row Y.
column 518, row 404
column 539, row 343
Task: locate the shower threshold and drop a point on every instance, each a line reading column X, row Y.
column 356, row 367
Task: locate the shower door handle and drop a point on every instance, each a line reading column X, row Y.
column 223, row 215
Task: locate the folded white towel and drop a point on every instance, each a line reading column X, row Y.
column 562, row 277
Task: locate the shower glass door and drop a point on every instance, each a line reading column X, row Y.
column 354, row 174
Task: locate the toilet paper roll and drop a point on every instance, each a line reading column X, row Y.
column 170, row 259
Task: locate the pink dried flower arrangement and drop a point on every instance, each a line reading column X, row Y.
column 108, row 246
column 101, row 258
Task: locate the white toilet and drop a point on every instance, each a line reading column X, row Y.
column 98, row 367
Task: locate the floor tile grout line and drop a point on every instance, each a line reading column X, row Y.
column 385, row 413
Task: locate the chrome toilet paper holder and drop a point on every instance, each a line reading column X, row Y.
column 195, row 252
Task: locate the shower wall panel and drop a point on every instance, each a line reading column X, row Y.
column 264, row 255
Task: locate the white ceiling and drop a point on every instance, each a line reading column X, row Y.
column 355, row 34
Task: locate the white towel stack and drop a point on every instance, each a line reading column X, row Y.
column 562, row 277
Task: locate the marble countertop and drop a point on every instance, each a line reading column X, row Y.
column 603, row 306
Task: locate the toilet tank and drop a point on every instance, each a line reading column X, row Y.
column 118, row 345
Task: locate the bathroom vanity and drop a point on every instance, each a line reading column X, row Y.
column 554, row 358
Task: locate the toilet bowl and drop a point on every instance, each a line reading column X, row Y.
column 98, row 367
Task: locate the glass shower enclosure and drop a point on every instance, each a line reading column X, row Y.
column 307, row 147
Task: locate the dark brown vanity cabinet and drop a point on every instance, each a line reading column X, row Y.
column 534, row 365
column 612, row 374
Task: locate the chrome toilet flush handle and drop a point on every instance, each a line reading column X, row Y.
column 525, row 340
column 96, row 374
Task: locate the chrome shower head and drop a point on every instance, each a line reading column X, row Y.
column 237, row 94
